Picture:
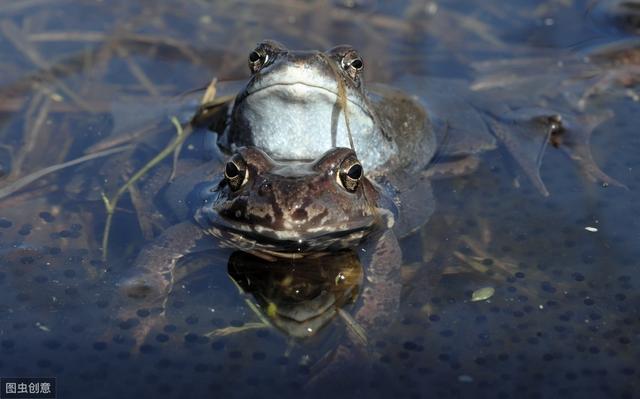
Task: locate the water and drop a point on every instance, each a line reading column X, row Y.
column 563, row 319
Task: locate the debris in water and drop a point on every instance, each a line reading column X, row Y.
column 482, row 294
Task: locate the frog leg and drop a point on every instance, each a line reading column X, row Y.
column 380, row 297
column 152, row 273
column 378, row 306
column 150, row 281
column 574, row 138
column 413, row 200
column 527, row 132
column 454, row 168
column 526, row 139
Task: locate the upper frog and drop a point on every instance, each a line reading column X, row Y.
column 299, row 104
column 291, row 207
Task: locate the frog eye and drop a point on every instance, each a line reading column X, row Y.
column 236, row 173
column 257, row 59
column 350, row 174
column 352, row 64
column 264, row 54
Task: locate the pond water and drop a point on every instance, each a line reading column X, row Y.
column 506, row 292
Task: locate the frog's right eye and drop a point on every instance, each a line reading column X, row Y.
column 258, row 58
column 236, row 173
column 263, row 55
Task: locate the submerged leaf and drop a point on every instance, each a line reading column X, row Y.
column 482, row 294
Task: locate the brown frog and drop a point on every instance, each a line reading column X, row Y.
column 277, row 210
column 293, row 209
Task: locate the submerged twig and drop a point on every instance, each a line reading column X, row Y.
column 36, row 117
column 20, row 6
column 16, row 37
column 353, row 326
column 20, row 183
column 223, row 332
column 68, row 36
column 17, row 103
column 208, row 97
column 174, row 165
column 138, row 72
column 110, row 204
column 123, row 138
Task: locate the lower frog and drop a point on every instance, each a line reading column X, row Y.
column 291, row 210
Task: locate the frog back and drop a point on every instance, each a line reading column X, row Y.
column 404, row 120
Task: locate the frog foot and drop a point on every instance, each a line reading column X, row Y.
column 573, row 136
column 142, row 302
column 527, row 132
column 139, row 323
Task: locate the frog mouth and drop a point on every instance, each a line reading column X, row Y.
column 249, row 238
column 303, row 84
column 300, row 91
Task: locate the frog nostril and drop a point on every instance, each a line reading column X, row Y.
column 265, row 188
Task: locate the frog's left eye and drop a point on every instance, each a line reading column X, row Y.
column 352, row 63
column 236, row 173
column 350, row 174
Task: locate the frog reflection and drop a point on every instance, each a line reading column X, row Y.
column 301, row 297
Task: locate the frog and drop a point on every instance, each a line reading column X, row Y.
column 320, row 101
column 323, row 213
column 274, row 210
column 292, row 108
column 297, row 104
column 293, row 209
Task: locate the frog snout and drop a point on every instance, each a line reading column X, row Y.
column 299, row 214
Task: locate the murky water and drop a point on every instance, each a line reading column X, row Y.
column 557, row 276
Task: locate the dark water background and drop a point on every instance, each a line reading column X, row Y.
column 564, row 320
